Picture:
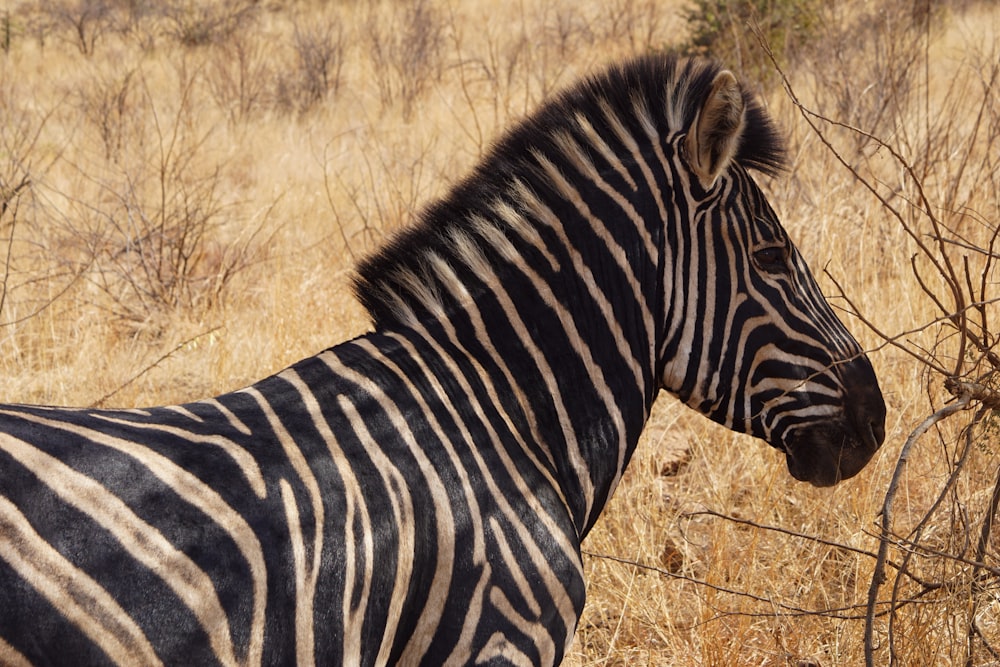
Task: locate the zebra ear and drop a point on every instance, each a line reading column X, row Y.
column 715, row 134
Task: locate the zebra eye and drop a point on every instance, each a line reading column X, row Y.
column 772, row 259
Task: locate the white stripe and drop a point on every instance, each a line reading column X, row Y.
column 402, row 512
column 230, row 416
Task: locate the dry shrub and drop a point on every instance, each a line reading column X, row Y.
column 240, row 74
column 636, row 23
column 255, row 71
column 23, row 164
column 719, row 28
column 195, row 24
column 81, row 21
column 319, row 51
column 108, row 102
column 405, row 48
column 155, row 234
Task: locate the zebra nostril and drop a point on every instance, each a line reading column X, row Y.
column 877, row 431
column 870, row 435
column 865, row 405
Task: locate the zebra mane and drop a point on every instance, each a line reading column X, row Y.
column 658, row 95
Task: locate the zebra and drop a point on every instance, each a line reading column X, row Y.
column 418, row 495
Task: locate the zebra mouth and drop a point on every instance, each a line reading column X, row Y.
column 827, row 453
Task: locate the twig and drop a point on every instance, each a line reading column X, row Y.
column 894, row 340
column 879, row 576
column 986, row 644
column 929, row 585
column 977, row 571
column 103, row 399
column 786, row 610
column 918, row 530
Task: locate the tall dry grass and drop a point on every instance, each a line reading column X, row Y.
column 185, row 189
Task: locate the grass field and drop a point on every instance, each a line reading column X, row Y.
column 183, row 195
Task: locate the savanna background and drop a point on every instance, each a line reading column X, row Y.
column 186, row 186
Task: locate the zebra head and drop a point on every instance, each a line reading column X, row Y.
column 750, row 340
column 618, row 230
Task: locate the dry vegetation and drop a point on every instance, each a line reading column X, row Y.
column 184, row 188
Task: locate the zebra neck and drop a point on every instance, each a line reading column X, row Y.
column 554, row 303
column 547, row 341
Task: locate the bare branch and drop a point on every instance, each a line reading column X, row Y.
column 879, row 577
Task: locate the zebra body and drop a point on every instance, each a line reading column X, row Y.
column 244, row 517
column 418, row 495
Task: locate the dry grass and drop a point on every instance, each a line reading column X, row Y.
column 307, row 136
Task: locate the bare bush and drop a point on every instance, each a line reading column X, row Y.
column 555, row 47
column 85, row 21
column 203, row 23
column 107, row 103
column 22, row 166
column 406, row 51
column 719, row 28
column 239, row 76
column 881, row 86
column 636, row 23
column 15, row 185
column 382, row 191
column 317, row 66
column 137, row 22
column 504, row 72
column 154, row 239
column 320, row 57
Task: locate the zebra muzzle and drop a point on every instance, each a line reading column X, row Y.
column 826, row 452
